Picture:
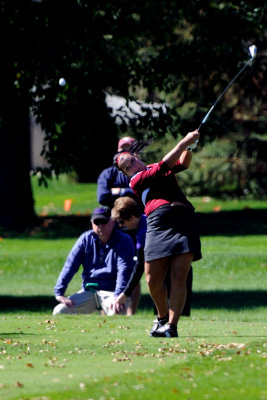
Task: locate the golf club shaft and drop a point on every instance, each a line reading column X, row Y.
column 253, row 51
column 223, row 93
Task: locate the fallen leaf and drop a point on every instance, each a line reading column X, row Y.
column 224, row 358
column 18, row 384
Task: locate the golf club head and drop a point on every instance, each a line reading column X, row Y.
column 253, row 51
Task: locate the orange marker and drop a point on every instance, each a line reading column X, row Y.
column 67, row 205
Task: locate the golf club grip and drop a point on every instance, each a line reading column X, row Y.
column 192, row 146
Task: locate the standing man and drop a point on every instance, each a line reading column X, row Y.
column 107, row 256
column 112, row 183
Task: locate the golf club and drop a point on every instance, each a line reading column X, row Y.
column 252, row 51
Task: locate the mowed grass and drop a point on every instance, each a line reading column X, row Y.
column 94, row 357
column 51, row 200
column 31, row 266
column 221, row 352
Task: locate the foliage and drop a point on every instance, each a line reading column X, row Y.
column 170, row 53
column 120, row 47
column 156, row 47
column 231, row 166
column 228, row 166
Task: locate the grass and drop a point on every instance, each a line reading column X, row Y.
column 77, row 357
column 238, row 263
column 221, row 352
column 94, row 357
column 50, row 201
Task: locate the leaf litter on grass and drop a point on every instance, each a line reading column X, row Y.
column 96, row 357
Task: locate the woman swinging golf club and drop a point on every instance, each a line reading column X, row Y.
column 171, row 239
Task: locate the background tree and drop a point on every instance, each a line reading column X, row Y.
column 183, row 54
column 16, row 201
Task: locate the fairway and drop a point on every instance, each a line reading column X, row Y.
column 221, row 352
column 114, row 358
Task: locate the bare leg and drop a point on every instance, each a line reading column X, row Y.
column 155, row 273
column 179, row 266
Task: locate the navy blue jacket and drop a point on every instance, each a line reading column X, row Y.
column 112, row 178
column 109, row 265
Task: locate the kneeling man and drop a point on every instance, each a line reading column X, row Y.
column 107, row 257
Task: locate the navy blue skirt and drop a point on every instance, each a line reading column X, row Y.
column 172, row 230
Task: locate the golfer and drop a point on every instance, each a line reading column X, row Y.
column 171, row 238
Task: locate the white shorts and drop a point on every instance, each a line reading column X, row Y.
column 87, row 302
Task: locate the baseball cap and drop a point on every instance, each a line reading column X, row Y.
column 101, row 213
column 125, row 142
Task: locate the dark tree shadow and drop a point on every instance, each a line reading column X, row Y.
column 54, row 227
column 42, row 304
column 235, row 300
column 243, row 222
column 230, row 300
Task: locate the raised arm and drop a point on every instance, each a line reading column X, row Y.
column 185, row 158
column 172, row 157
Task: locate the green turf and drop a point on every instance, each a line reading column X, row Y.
column 50, row 201
column 94, row 357
column 30, row 266
column 221, row 352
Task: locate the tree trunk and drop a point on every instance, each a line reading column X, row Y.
column 16, row 199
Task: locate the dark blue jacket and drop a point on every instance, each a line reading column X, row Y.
column 109, row 265
column 139, row 265
column 112, row 178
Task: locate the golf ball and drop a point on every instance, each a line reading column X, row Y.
column 62, row 82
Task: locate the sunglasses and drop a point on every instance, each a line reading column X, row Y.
column 100, row 221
